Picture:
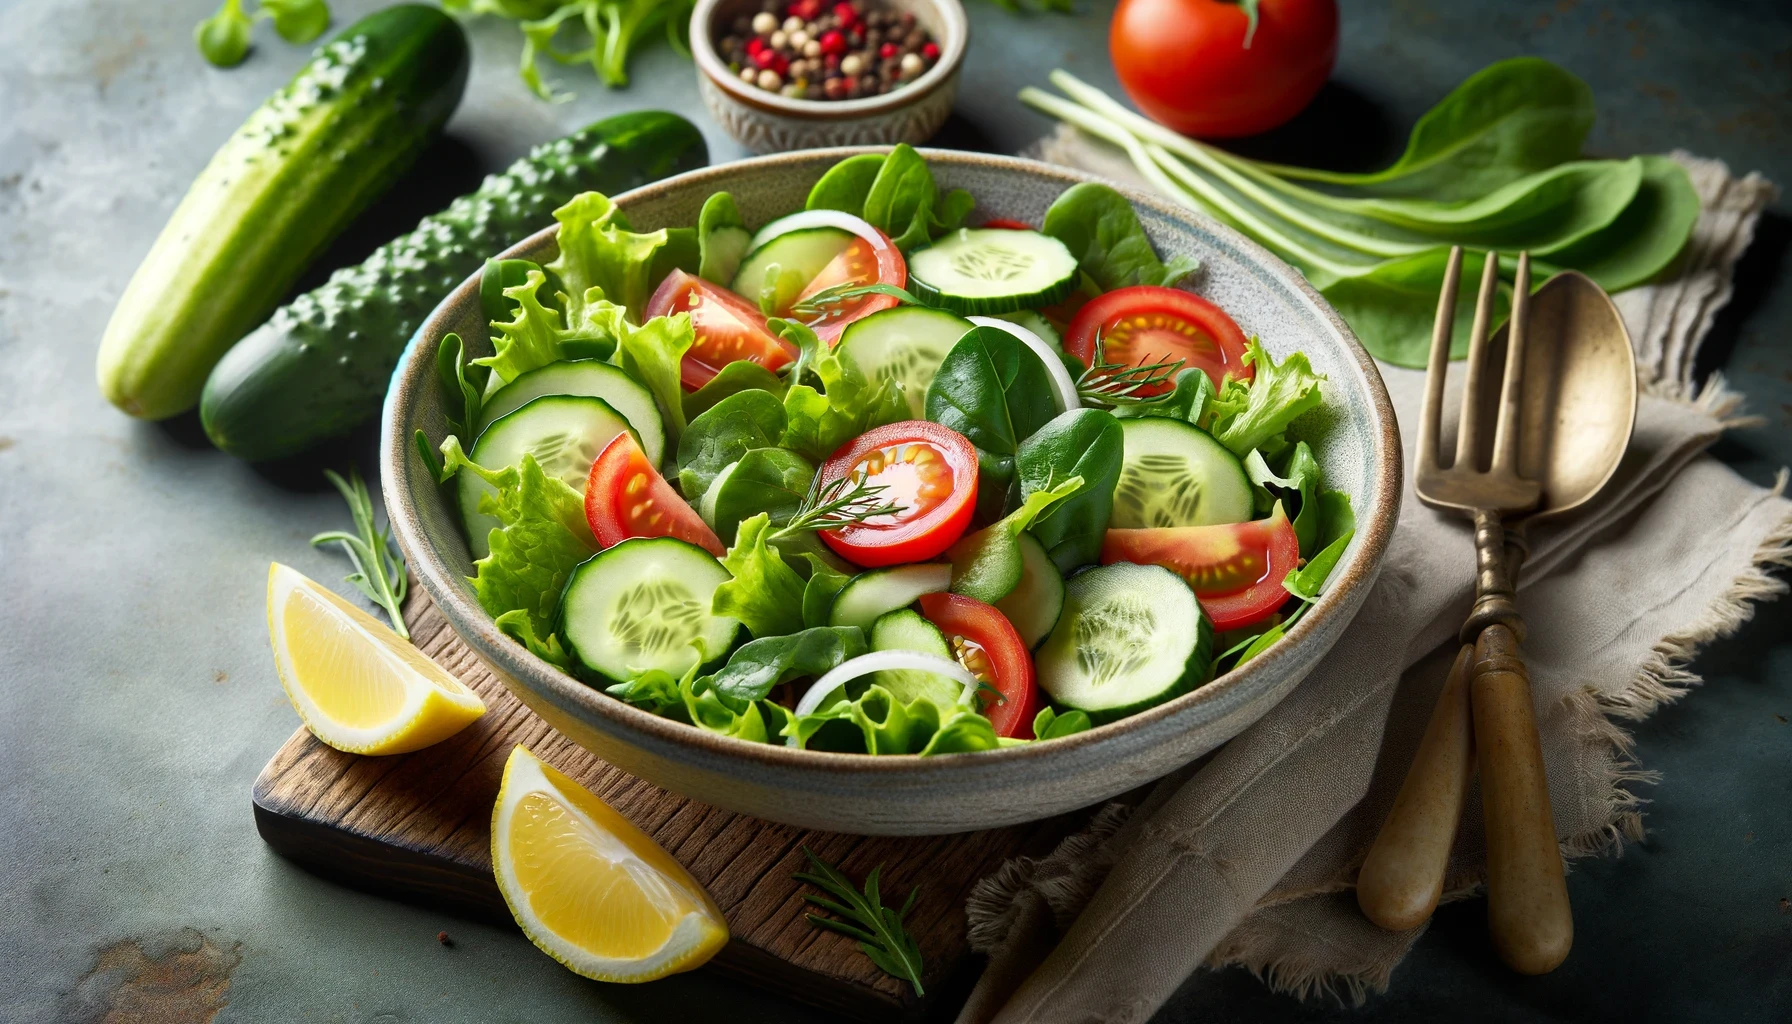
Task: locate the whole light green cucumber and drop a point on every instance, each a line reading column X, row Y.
column 321, row 365
column 293, row 176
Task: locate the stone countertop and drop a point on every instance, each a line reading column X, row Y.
column 137, row 701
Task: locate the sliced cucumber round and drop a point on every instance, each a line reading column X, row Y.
column 1175, row 474
column 1035, row 603
column 906, row 344
column 777, row 270
column 644, row 604
column 586, row 377
column 1130, row 638
column 871, row 594
column 989, row 270
column 905, row 630
column 565, row 433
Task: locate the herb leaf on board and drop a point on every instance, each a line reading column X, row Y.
column 863, row 916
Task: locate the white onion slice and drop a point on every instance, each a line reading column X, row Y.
column 1063, row 387
column 881, row 661
column 805, row 219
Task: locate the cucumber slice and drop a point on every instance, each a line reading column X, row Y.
column 1175, row 474
column 1035, row 321
column 1131, row 637
column 975, row 270
column 906, row 344
column 777, row 270
column 585, row 377
column 905, row 630
column 565, row 433
column 1035, row 603
column 644, row 604
column 871, row 594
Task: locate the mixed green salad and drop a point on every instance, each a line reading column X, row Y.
column 868, row 479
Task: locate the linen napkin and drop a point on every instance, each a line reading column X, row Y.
column 1248, row 857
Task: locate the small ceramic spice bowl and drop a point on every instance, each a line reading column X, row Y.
column 766, row 121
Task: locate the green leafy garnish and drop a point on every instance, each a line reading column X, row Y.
column 611, row 30
column 1101, row 229
column 597, row 250
column 848, row 499
column 1081, row 443
column 461, row 399
column 1119, row 384
column 761, row 664
column 848, row 404
column 826, row 299
column 223, row 38
column 1256, row 413
column 1298, row 482
column 723, row 433
column 540, row 335
column 862, row 916
column 651, row 354
column 1049, row 725
column 379, row 566
column 895, row 193
column 765, row 595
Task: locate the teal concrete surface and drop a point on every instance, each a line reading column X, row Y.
column 137, row 695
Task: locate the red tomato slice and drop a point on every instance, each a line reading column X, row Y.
column 626, row 497
column 1148, row 324
column 1236, row 570
column 865, row 260
column 985, row 642
column 1009, row 225
column 929, row 470
column 727, row 326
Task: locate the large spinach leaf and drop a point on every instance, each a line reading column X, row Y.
column 722, row 434
column 992, row 389
column 1083, row 443
column 895, row 193
column 770, row 480
column 1100, row 228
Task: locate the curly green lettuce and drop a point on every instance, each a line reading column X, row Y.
column 847, row 405
column 1256, row 414
column 765, row 595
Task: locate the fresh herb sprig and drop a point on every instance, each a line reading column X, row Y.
column 1120, row 384
column 825, row 300
column 879, row 929
column 848, row 499
column 379, row 567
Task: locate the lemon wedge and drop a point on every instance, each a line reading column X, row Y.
column 591, row 889
column 357, row 686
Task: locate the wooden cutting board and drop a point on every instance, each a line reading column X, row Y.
column 417, row 827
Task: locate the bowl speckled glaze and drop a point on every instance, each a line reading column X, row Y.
column 1355, row 441
column 766, row 122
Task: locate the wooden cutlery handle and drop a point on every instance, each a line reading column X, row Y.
column 1527, row 897
column 1403, row 874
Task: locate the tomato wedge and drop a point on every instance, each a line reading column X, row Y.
column 875, row 261
column 626, row 497
column 1149, row 324
column 1235, row 570
column 1009, row 225
column 928, row 470
column 727, row 326
column 985, row 642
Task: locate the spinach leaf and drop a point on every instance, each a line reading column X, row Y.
column 1084, row 443
column 770, row 480
column 1100, row 228
column 722, row 434
column 765, row 595
column 1049, row 725
column 1505, row 121
column 846, row 184
column 1298, row 483
column 825, row 584
column 1645, row 238
column 1392, row 306
column 992, row 389
column 722, row 239
column 761, row 664
column 987, row 565
column 963, row 732
column 737, row 376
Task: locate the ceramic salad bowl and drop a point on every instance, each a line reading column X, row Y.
column 1353, row 435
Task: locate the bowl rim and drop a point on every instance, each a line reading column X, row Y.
column 956, row 32
column 477, row 629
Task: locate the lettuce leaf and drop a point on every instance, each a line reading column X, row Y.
column 651, row 354
column 543, row 537
column 540, row 334
column 597, row 250
column 1297, row 483
column 1257, row 413
column 876, row 722
column 1049, row 725
column 847, row 405
column 765, row 595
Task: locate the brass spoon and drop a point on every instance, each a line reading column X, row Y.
column 1576, row 408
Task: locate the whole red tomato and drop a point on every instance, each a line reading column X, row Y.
column 1185, row 63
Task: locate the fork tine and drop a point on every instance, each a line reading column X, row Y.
column 1505, row 433
column 1437, row 366
column 1468, row 428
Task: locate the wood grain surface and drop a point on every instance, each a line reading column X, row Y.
column 417, row 827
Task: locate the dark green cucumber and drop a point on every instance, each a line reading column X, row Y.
column 320, row 366
column 292, row 177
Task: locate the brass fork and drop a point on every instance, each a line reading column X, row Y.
column 1528, row 912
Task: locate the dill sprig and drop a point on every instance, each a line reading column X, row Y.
column 825, row 300
column 1120, row 384
column 848, row 499
column 879, row 929
column 379, row 567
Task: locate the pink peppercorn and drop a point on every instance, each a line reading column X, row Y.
column 830, row 61
column 754, row 46
column 930, row 51
column 847, row 13
column 833, row 42
column 766, row 58
column 888, row 50
column 808, row 10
